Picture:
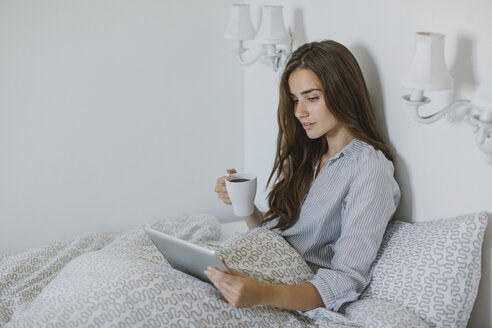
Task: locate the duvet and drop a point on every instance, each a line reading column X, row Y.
column 121, row 280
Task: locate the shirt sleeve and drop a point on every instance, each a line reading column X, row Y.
column 370, row 202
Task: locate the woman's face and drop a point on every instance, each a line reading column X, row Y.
column 309, row 105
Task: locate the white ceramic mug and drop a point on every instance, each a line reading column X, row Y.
column 242, row 193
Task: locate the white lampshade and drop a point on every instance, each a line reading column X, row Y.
column 240, row 27
column 428, row 68
column 272, row 29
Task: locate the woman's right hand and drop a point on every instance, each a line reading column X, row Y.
column 220, row 188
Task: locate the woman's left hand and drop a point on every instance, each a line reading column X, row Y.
column 237, row 289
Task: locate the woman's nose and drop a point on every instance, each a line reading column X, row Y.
column 300, row 110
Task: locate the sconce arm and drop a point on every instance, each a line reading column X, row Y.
column 240, row 50
column 249, row 62
column 480, row 119
column 454, row 112
column 278, row 57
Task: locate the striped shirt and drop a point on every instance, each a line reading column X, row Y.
column 342, row 221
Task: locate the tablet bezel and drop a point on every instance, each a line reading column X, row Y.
column 185, row 256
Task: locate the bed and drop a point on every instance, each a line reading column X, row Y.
column 425, row 275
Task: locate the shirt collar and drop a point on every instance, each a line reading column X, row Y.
column 353, row 148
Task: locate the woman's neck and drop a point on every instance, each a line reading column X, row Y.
column 338, row 142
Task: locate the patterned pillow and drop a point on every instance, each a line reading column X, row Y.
column 266, row 256
column 432, row 268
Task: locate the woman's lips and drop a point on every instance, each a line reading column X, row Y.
column 307, row 126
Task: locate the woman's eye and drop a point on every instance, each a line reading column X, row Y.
column 295, row 101
column 312, row 99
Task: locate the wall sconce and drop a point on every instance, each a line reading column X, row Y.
column 272, row 32
column 428, row 72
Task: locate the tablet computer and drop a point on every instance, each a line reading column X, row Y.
column 185, row 256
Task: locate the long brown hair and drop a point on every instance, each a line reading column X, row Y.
column 346, row 96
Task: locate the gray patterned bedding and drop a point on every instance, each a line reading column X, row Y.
column 122, row 280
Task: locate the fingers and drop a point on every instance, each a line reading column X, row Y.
column 217, row 277
column 231, row 271
column 234, row 289
column 225, row 283
column 220, row 181
column 221, row 190
column 226, row 200
column 220, row 186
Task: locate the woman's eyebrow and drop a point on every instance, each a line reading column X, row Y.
column 304, row 92
column 309, row 90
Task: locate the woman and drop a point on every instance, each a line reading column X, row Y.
column 333, row 192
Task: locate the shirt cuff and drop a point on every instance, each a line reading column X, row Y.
column 324, row 281
column 324, row 291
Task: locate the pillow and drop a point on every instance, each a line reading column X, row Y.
column 266, row 256
column 432, row 268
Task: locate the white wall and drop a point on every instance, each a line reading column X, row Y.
column 112, row 114
column 440, row 170
column 109, row 119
